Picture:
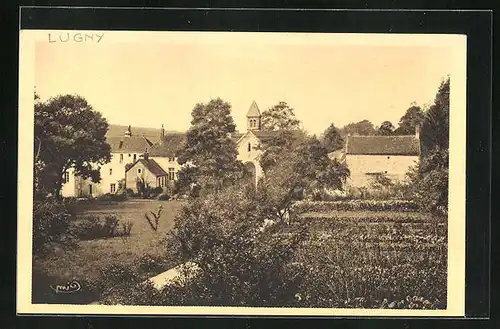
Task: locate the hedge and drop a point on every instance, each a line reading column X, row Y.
column 356, row 205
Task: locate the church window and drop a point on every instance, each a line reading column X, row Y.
column 110, row 171
column 66, row 177
column 135, row 157
column 139, row 171
column 249, row 147
column 121, row 158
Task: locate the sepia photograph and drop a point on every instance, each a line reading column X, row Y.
column 241, row 173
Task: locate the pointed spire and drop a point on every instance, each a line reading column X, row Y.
column 253, row 111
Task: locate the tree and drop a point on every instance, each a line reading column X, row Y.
column 435, row 128
column 413, row 117
column 209, row 146
column 279, row 117
column 69, row 133
column 429, row 180
column 385, row 129
column 331, row 139
column 301, row 164
column 361, row 128
column 241, row 260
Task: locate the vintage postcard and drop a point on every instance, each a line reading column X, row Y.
column 225, row 173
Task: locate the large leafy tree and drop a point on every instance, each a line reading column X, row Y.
column 361, row 128
column 386, row 128
column 209, row 146
column 69, row 133
column 299, row 164
column 279, row 117
column 413, row 117
column 331, row 139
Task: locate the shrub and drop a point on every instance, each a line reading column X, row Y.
column 156, row 191
column 356, row 205
column 149, row 263
column 51, row 224
column 163, row 197
column 127, row 228
column 92, row 227
column 112, row 197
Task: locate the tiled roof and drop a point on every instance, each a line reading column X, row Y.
column 253, row 111
column 170, row 147
column 383, row 145
column 152, row 166
column 132, row 144
column 153, row 134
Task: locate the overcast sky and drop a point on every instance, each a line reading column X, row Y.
column 159, row 83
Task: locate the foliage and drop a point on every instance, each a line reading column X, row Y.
column 435, row 128
column 386, row 129
column 357, row 205
column 51, row 224
column 149, row 263
column 209, row 146
column 69, row 134
column 93, row 227
column 163, row 197
column 156, row 191
column 413, row 117
column 361, row 128
column 112, row 197
column 332, row 139
column 279, row 117
column 284, row 156
column 241, row 263
column 429, row 180
column 127, row 228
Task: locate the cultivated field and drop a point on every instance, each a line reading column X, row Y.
column 371, row 259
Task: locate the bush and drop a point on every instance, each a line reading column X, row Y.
column 356, row 205
column 149, row 263
column 156, row 191
column 163, row 197
column 112, row 197
column 51, row 224
column 127, row 228
column 92, row 227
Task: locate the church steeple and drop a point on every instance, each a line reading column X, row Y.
column 253, row 117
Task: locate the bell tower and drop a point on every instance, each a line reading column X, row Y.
column 253, row 117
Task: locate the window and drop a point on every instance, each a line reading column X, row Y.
column 66, row 177
column 139, row 171
column 249, row 147
column 171, row 173
column 110, row 171
column 121, row 158
column 112, row 188
column 90, row 189
column 129, row 155
column 135, row 157
column 171, row 159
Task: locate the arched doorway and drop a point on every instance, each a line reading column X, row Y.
column 251, row 172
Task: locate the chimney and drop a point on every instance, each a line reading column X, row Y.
column 417, row 131
column 146, row 154
column 162, row 133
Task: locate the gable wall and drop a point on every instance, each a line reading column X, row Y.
column 395, row 165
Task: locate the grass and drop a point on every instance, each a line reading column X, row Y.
column 89, row 258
